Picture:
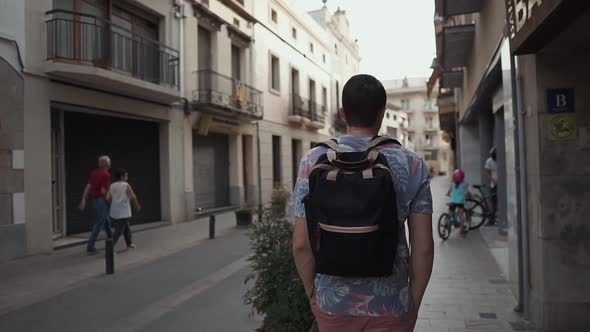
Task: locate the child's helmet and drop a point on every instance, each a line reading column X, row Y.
column 458, row 176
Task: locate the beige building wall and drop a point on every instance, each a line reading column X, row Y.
column 44, row 89
column 296, row 54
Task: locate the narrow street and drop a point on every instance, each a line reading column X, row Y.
column 201, row 288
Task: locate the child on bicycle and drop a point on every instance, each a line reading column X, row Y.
column 458, row 192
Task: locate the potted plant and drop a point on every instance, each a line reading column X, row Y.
column 244, row 216
column 274, row 288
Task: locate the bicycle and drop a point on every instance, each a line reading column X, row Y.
column 448, row 221
column 477, row 208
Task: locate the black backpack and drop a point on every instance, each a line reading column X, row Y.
column 351, row 212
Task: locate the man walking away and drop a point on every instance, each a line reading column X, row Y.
column 98, row 185
column 491, row 171
column 352, row 198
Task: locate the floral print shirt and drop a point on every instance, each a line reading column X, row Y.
column 373, row 296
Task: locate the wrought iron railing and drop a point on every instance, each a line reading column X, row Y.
column 307, row 109
column 217, row 89
column 86, row 39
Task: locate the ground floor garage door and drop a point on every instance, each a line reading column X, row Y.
column 132, row 145
column 211, row 170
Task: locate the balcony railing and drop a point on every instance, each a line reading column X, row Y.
column 307, row 109
column 75, row 37
column 217, row 90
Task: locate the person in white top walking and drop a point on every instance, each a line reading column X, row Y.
column 491, row 171
column 121, row 196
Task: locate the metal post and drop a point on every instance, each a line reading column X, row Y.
column 110, row 256
column 211, row 227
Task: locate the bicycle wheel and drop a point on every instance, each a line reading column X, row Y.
column 444, row 226
column 475, row 213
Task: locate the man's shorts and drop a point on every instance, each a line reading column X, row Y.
column 453, row 206
column 343, row 323
column 494, row 194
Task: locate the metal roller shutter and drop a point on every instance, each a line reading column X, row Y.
column 131, row 144
column 211, row 171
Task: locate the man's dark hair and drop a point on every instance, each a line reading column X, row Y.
column 363, row 99
column 120, row 173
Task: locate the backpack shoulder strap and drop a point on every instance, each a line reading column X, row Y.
column 331, row 144
column 381, row 140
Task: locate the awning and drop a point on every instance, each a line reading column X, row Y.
column 447, row 8
column 457, row 43
column 436, row 73
column 451, row 79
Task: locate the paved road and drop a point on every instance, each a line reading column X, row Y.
column 197, row 289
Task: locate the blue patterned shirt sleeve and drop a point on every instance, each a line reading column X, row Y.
column 422, row 201
column 302, row 185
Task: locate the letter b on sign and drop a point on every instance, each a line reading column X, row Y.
column 560, row 100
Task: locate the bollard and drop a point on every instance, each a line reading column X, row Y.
column 211, row 227
column 110, row 256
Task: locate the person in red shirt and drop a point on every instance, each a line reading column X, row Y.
column 98, row 186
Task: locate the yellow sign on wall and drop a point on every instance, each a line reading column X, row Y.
column 562, row 126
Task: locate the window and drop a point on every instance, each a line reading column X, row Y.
column 294, row 33
column 274, row 16
column 410, row 138
column 395, row 117
column 276, row 161
column 275, row 73
column 311, row 47
column 336, row 49
column 236, row 22
column 406, row 104
column 324, row 98
column 428, row 139
column 387, row 115
column 324, row 58
column 296, row 152
column 429, row 122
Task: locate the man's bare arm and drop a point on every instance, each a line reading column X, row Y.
column 133, row 198
column 84, row 197
column 303, row 256
column 421, row 254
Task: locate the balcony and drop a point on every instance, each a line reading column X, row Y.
column 218, row 94
column 307, row 112
column 94, row 52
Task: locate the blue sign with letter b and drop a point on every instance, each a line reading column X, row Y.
column 560, row 100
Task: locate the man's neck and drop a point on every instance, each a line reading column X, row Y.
column 366, row 132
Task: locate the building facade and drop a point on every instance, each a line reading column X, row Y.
column 513, row 75
column 207, row 104
column 423, row 131
column 395, row 125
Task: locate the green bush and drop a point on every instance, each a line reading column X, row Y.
column 277, row 294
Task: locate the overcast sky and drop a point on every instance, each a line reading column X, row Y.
column 396, row 37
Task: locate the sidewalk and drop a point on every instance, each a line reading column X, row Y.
column 468, row 291
column 36, row 278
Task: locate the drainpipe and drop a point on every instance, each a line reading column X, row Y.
column 181, row 16
column 522, row 199
column 259, row 172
